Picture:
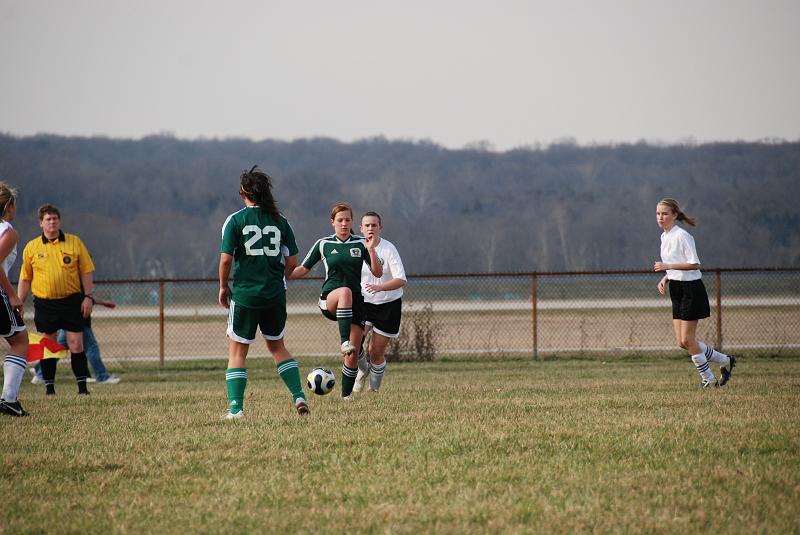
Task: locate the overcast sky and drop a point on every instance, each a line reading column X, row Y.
column 512, row 73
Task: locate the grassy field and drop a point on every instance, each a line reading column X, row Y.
column 559, row 446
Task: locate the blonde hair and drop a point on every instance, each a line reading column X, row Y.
column 8, row 197
column 672, row 204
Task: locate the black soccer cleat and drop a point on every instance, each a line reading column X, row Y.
column 727, row 371
column 12, row 408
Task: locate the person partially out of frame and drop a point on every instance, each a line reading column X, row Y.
column 383, row 304
column 258, row 244
column 12, row 327
column 343, row 253
column 681, row 265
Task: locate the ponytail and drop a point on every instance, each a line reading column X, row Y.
column 7, row 198
column 256, row 185
column 676, row 209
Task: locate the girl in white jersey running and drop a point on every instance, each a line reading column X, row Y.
column 681, row 265
column 11, row 326
column 382, row 304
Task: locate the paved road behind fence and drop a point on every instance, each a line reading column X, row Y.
column 476, row 315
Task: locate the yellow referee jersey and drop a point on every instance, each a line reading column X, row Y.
column 54, row 267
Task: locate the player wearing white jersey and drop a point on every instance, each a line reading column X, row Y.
column 11, row 326
column 681, row 265
column 383, row 303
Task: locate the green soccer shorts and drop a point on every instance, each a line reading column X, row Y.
column 243, row 321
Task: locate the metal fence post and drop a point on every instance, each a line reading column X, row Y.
column 719, row 311
column 161, row 322
column 534, row 319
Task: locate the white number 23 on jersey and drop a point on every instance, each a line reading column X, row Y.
column 272, row 236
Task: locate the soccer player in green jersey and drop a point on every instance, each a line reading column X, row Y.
column 343, row 254
column 258, row 242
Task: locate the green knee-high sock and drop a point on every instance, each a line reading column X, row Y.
column 348, row 380
column 290, row 373
column 236, row 379
column 344, row 317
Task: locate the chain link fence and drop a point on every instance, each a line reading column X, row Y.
column 536, row 315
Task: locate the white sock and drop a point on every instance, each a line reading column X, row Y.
column 13, row 374
column 703, row 367
column 712, row 354
column 376, row 375
column 363, row 362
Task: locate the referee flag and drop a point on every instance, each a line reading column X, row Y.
column 40, row 347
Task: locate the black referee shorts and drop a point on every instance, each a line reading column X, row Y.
column 689, row 300
column 50, row 315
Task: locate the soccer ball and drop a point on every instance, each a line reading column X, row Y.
column 321, row 381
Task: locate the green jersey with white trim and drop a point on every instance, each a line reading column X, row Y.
column 342, row 260
column 258, row 244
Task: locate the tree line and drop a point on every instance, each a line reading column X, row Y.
column 154, row 207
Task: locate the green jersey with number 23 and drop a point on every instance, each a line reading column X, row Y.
column 258, row 244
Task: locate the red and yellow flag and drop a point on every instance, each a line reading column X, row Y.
column 40, row 347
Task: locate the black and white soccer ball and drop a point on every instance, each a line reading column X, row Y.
column 321, row 381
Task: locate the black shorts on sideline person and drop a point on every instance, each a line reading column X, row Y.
column 50, row 315
column 689, row 300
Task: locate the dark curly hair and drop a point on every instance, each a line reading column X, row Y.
column 256, row 185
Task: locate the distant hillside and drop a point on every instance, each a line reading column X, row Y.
column 154, row 207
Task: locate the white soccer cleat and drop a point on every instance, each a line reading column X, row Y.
column 348, row 348
column 347, row 398
column 358, row 386
column 233, row 415
column 301, row 406
column 705, row 383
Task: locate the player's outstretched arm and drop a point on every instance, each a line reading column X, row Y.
column 297, row 273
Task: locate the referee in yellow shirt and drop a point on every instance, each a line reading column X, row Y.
column 57, row 269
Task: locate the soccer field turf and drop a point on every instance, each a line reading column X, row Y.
column 514, row 446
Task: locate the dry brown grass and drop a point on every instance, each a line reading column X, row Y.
column 561, row 446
